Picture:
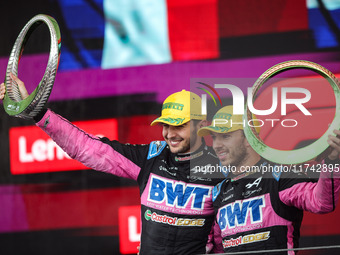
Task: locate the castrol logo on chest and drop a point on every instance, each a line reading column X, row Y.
column 33, row 151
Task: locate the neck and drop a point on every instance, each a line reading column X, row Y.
column 196, row 146
column 247, row 164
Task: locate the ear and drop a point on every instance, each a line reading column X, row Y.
column 246, row 143
column 203, row 123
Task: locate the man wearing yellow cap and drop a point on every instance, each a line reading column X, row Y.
column 176, row 206
column 258, row 206
column 177, row 111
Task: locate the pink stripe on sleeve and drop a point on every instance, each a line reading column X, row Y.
column 87, row 148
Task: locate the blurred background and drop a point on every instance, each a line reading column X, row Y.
column 119, row 60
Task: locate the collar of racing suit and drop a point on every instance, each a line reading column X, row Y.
column 237, row 177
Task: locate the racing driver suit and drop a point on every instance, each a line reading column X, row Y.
column 264, row 210
column 176, row 207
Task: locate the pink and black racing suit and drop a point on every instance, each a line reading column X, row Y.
column 264, row 210
column 176, row 207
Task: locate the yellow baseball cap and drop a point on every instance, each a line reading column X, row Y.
column 225, row 121
column 179, row 108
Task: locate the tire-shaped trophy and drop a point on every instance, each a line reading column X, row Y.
column 310, row 152
column 29, row 107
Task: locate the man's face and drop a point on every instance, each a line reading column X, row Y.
column 230, row 147
column 178, row 137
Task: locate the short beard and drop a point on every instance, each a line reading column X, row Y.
column 240, row 156
column 185, row 148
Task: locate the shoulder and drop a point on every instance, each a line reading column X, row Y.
column 217, row 190
column 156, row 148
column 290, row 177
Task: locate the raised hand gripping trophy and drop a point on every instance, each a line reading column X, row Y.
column 13, row 103
column 314, row 151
